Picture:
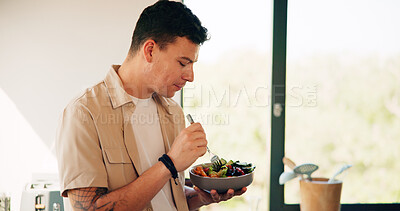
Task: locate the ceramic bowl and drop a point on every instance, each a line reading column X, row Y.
column 221, row 185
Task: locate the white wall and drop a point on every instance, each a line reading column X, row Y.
column 50, row 50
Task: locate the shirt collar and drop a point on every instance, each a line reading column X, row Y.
column 119, row 96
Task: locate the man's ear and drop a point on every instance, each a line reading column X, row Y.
column 148, row 49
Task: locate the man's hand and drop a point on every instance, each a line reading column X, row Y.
column 189, row 145
column 214, row 197
column 197, row 197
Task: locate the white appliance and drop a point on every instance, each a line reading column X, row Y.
column 42, row 195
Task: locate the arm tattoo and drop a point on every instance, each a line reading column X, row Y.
column 85, row 199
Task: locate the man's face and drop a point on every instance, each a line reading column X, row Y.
column 172, row 67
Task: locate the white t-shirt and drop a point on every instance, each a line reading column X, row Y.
column 147, row 130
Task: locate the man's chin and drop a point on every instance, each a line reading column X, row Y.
column 167, row 94
column 170, row 95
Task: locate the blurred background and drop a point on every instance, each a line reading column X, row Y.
column 231, row 92
column 342, row 93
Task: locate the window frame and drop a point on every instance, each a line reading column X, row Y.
column 276, row 192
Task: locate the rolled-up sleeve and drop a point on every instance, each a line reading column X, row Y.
column 79, row 154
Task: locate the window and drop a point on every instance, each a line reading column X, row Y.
column 338, row 88
column 231, row 89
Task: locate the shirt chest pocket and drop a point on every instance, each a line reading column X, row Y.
column 119, row 167
column 117, row 156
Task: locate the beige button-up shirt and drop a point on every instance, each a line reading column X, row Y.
column 96, row 145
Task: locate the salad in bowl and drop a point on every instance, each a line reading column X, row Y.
column 222, row 175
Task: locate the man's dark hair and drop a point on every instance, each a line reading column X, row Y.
column 164, row 21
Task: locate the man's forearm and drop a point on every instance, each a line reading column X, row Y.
column 133, row 196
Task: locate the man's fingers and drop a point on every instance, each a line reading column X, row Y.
column 240, row 192
column 222, row 197
column 204, row 195
column 202, row 151
column 195, row 135
column 195, row 127
column 231, row 193
column 201, row 142
column 215, row 196
column 228, row 195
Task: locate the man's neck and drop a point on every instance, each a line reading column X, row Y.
column 131, row 75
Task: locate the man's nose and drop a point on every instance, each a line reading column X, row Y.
column 188, row 75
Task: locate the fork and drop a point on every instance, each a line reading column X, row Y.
column 214, row 159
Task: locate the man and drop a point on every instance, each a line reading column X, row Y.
column 121, row 144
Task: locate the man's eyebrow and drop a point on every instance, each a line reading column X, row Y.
column 188, row 59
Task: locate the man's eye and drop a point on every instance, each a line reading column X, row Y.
column 182, row 64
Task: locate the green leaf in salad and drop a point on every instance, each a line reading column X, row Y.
column 210, row 170
column 223, row 161
column 229, row 162
column 222, row 172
